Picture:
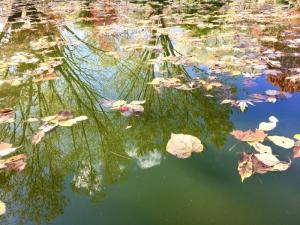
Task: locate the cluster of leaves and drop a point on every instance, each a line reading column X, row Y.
column 134, row 108
column 180, row 83
column 263, row 160
column 62, row 118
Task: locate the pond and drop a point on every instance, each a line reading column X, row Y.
column 75, row 148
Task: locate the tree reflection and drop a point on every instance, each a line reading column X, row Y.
column 94, row 154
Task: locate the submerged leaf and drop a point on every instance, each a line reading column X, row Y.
column 182, row 145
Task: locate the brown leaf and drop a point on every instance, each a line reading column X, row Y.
column 249, row 135
column 250, row 164
column 245, row 166
column 16, row 162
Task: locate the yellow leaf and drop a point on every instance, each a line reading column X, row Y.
column 297, row 136
column 2, row 208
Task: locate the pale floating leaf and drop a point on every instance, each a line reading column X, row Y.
column 267, row 126
column 137, row 102
column 32, row 120
column 38, row 137
column 261, row 148
column 182, row 145
column 81, row 118
column 2, row 208
column 282, row 141
column 6, row 149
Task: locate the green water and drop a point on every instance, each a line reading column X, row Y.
column 99, row 172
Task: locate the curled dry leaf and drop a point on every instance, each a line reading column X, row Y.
column 282, row 141
column 249, row 135
column 182, row 145
column 267, row 126
column 250, row 164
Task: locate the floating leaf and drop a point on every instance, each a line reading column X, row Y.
column 259, row 147
column 137, row 102
column 32, row 120
column 16, row 162
column 37, row 137
column 296, row 150
column 182, row 145
column 2, row 208
column 117, row 104
column 297, row 137
column 249, row 135
column 267, row 126
column 7, row 115
column 250, row 164
column 282, row 141
column 45, row 128
column 6, row 149
column 64, row 115
column 245, row 166
column 129, row 110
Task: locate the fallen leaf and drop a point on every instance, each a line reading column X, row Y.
column 261, row 148
column 267, row 126
column 2, row 208
column 296, row 150
column 282, row 141
column 249, row 135
column 7, row 115
column 16, row 162
column 32, row 120
column 250, row 164
column 182, row 145
column 245, row 166
column 297, row 137
column 64, row 115
column 129, row 110
column 6, row 149
column 37, row 137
